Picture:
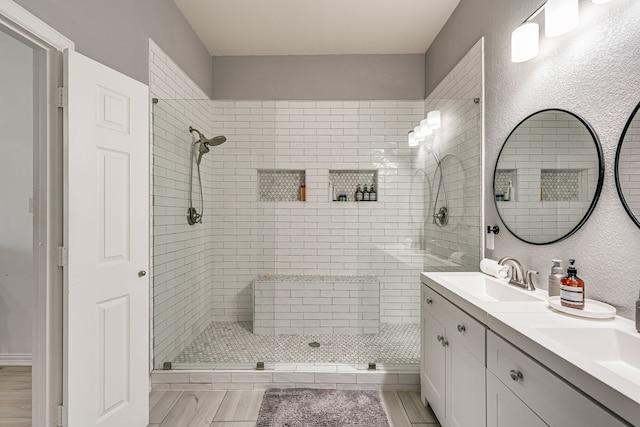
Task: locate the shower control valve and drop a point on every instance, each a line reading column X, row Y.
column 193, row 216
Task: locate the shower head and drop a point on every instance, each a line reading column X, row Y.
column 216, row 140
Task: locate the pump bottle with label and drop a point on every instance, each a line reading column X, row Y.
column 572, row 288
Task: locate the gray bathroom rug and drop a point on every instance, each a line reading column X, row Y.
column 307, row 407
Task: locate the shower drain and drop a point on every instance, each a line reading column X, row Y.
column 314, row 344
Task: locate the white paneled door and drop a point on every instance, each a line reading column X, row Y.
column 107, row 236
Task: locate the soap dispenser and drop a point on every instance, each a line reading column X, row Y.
column 555, row 278
column 572, row 288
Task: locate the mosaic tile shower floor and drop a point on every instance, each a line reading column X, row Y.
column 234, row 343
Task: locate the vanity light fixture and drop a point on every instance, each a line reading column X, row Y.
column 560, row 17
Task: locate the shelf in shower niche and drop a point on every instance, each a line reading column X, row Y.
column 280, row 185
column 346, row 181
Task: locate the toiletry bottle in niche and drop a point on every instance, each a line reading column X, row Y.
column 303, row 192
column 555, row 278
column 373, row 196
column 331, row 195
column 365, row 194
column 507, row 192
column 359, row 194
column 572, row 288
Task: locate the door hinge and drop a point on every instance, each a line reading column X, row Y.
column 63, row 256
column 61, row 97
column 62, row 416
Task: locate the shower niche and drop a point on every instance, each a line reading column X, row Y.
column 279, row 185
column 347, row 181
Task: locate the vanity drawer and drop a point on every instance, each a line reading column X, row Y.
column 433, row 302
column 458, row 325
column 552, row 399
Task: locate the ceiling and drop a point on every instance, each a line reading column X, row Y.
column 316, row 27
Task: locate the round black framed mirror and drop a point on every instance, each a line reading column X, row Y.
column 548, row 176
column 627, row 162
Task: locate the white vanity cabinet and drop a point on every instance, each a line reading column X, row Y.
column 522, row 392
column 452, row 368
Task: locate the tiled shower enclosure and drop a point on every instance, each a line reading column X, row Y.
column 203, row 275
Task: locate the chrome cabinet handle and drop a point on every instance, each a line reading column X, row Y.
column 461, row 328
column 440, row 338
column 142, row 273
column 429, row 301
column 516, row 375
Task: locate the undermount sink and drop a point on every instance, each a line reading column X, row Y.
column 610, row 348
column 487, row 288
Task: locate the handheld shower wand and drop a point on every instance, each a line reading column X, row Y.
column 204, row 144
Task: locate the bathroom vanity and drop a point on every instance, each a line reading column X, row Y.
column 495, row 355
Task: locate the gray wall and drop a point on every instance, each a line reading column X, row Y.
column 320, row 77
column 16, row 187
column 592, row 71
column 116, row 32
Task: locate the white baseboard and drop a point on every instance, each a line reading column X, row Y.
column 15, row 359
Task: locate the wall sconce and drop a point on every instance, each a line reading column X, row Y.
column 560, row 17
column 433, row 119
column 424, row 128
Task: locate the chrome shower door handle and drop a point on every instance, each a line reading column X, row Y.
column 142, row 273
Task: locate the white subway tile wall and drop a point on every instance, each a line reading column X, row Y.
column 317, row 237
column 627, row 167
column 557, row 168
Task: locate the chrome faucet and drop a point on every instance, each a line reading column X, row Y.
column 518, row 277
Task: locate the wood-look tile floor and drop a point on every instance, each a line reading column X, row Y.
column 172, row 408
column 15, row 396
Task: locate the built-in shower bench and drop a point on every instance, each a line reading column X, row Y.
column 308, row 305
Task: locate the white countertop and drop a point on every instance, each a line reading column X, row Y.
column 531, row 326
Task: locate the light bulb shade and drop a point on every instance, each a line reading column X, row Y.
column 417, row 133
column 525, row 42
column 560, row 17
column 412, row 141
column 433, row 119
column 425, row 130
